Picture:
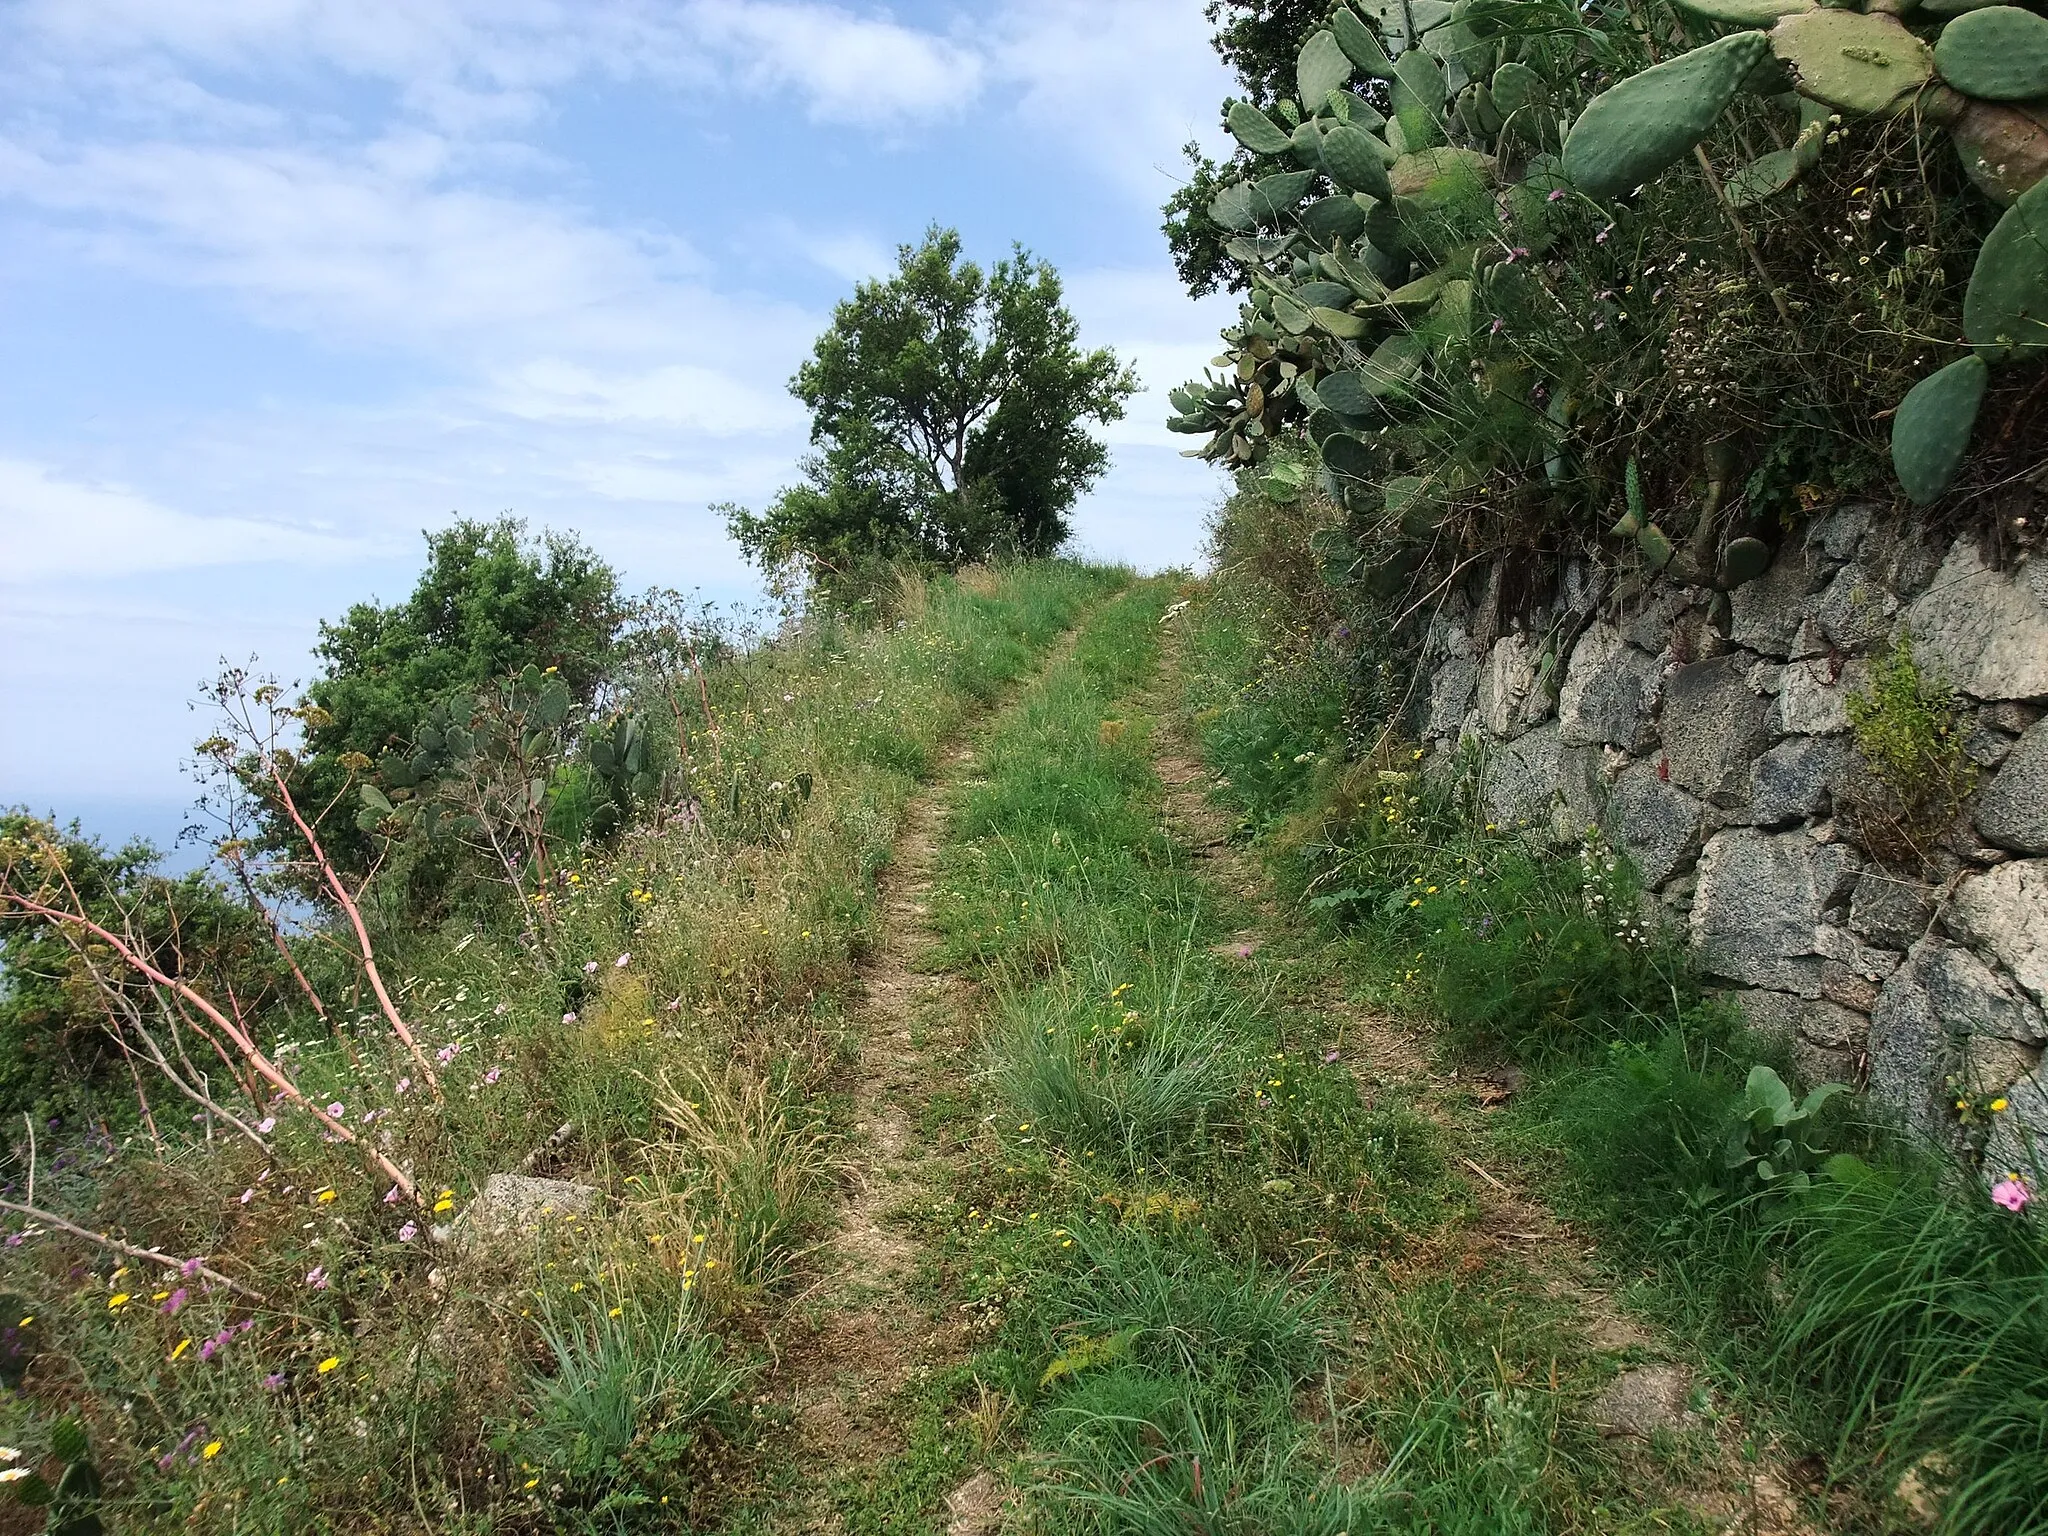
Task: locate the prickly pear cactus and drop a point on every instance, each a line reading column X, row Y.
column 1999, row 53
column 1931, row 431
column 1649, row 121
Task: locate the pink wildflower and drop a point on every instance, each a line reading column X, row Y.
column 492, row 1075
column 174, row 1301
column 405, row 1085
column 447, row 1052
column 391, row 1195
column 316, row 1277
column 336, row 1109
column 266, row 1125
column 248, row 1194
column 568, row 1018
column 2012, row 1193
column 623, row 961
column 590, row 967
column 408, row 1232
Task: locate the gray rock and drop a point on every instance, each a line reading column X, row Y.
column 1796, row 779
column 1765, row 614
column 1649, row 628
column 1848, row 987
column 1759, row 902
column 1985, row 631
column 1889, row 910
column 2019, row 1136
column 1843, row 529
column 2014, row 718
column 2004, row 913
column 513, row 1204
column 1855, row 612
column 1506, row 680
column 1824, row 1039
column 1811, row 702
column 1927, row 1011
column 1584, row 779
column 1642, row 1401
column 1581, row 588
column 1450, row 694
column 2012, row 811
column 1986, row 747
column 1609, row 690
column 1656, row 822
column 1833, row 942
column 1713, row 727
column 1519, row 780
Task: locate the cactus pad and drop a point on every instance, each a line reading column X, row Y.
column 1256, row 131
column 1853, row 61
column 1274, row 196
column 1321, row 69
column 1931, row 430
column 1999, row 53
column 1743, row 560
column 1354, row 161
column 1419, row 92
column 1331, row 219
column 1629, row 133
column 1361, row 44
column 1440, row 175
column 2005, row 309
column 1746, row 13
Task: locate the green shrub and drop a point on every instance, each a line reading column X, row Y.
column 1909, row 730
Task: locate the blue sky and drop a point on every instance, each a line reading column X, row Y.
column 283, row 282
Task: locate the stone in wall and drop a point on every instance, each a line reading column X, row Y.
column 1657, row 823
column 1509, row 698
column 1813, row 696
column 1944, row 1008
column 1713, row 727
column 1609, row 690
column 2019, row 1137
column 1759, row 900
column 1796, row 779
column 2012, row 812
column 1450, row 694
column 1824, row 1039
column 1890, row 910
column 1520, row 779
column 1855, row 612
column 2004, row 914
column 1766, row 615
column 1985, row 631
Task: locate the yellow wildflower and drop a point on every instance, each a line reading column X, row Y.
column 328, row 1364
column 212, row 1450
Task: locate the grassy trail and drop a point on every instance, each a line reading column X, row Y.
column 859, row 1341
column 1151, row 1226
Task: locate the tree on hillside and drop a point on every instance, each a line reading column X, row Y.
column 490, row 602
column 950, row 410
column 1260, row 41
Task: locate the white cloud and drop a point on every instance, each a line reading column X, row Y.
column 848, row 68
column 679, row 395
column 1120, row 86
column 53, row 529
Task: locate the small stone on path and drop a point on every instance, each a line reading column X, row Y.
column 1646, row 1399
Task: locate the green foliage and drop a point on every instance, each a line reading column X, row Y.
column 57, row 1057
column 620, row 1410
column 1909, row 730
column 1480, row 348
column 71, row 1508
column 1931, row 432
column 949, row 410
column 489, row 604
column 1771, row 1144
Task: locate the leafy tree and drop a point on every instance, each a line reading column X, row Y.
column 949, row 410
column 55, row 1046
column 490, row 603
column 1259, row 40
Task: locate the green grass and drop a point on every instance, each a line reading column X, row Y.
column 1888, row 1318
column 492, row 1393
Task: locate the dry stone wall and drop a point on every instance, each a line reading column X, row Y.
column 1709, row 735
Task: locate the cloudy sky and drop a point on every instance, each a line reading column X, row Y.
column 284, row 282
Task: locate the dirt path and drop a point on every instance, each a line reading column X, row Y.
column 858, row 1336
column 1393, row 1063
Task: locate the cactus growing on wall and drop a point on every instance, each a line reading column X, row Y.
column 1445, row 174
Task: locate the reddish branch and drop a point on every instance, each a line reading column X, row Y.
column 355, row 919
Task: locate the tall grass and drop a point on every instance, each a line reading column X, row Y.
column 668, row 1042
column 1888, row 1319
